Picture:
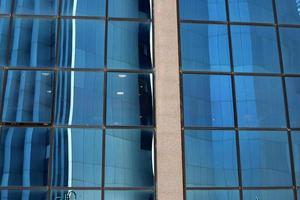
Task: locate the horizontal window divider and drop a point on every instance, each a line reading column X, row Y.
column 238, row 73
column 238, row 129
column 243, row 188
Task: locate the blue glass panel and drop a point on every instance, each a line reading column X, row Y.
column 251, row 10
column 268, row 194
column 5, row 6
column 210, row 158
column 296, row 151
column 33, row 43
column 79, row 98
column 213, row 195
column 204, row 47
column 129, row 99
column 293, row 94
column 129, row 45
column 288, row 11
column 28, row 96
column 130, row 8
column 255, row 49
column 1, row 86
column 83, row 7
column 257, row 96
column 24, row 156
column 290, row 46
column 203, row 10
column 207, row 100
column 81, row 43
column 265, row 158
column 75, row 195
column 34, row 7
column 129, row 195
column 23, row 194
column 77, row 157
column 128, row 159
column 4, row 23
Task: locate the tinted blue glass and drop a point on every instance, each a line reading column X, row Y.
column 207, row 100
column 83, row 7
column 213, row 195
column 1, row 85
column 75, row 194
column 79, row 98
column 296, row 151
column 23, row 194
column 255, row 49
column 129, row 45
column 128, row 158
column 290, row 46
column 24, row 155
column 210, row 158
column 268, row 194
column 34, row 7
column 204, row 47
column 28, row 96
column 129, row 195
column 293, row 94
column 4, row 23
column 257, row 96
column 33, row 43
column 265, row 158
column 129, row 99
column 77, row 157
column 5, row 6
column 130, row 8
column 203, row 10
column 251, row 10
column 81, row 43
column 288, row 11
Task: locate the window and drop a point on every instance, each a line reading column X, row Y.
column 130, row 8
column 293, row 94
column 83, row 8
column 288, row 11
column 33, row 7
column 213, row 195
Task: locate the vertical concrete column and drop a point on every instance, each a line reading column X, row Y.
column 168, row 145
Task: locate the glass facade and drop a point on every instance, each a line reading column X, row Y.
column 77, row 107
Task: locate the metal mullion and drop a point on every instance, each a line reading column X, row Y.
column 134, row 71
column 243, row 188
column 32, row 16
column 84, row 17
column 195, row 21
column 123, row 19
column 20, row 68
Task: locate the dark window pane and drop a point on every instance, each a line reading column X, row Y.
column 75, row 195
column 293, row 94
column 210, row 158
column 129, row 195
column 257, row 98
column 36, row 7
column 83, row 7
column 268, row 194
column 290, row 45
column 207, row 100
column 203, row 10
column 4, row 23
column 251, row 10
column 1, row 87
column 33, row 43
column 5, row 6
column 213, row 195
column 28, row 96
column 129, row 99
column 129, row 158
column 81, row 43
column 255, row 49
column 23, row 194
column 296, row 151
column 204, row 47
column 130, row 8
column 77, row 157
column 288, row 11
column 24, row 156
column 265, row 159
column 79, row 98
column 129, row 45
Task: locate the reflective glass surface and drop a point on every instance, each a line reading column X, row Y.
column 129, row 195
column 255, row 49
column 265, row 158
column 293, row 94
column 130, row 8
column 81, row 43
column 288, row 11
column 257, row 97
column 33, row 42
column 129, row 45
column 23, row 194
column 73, row 90
column 24, row 156
column 77, row 157
column 268, row 194
column 75, row 194
column 204, row 47
column 83, row 7
column 4, row 25
column 212, row 10
column 251, row 10
column 207, row 100
column 296, row 151
column 129, row 99
column 290, row 45
column 210, row 158
column 28, row 96
column 36, row 7
column 212, row 195
column 128, row 159
column 5, row 6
